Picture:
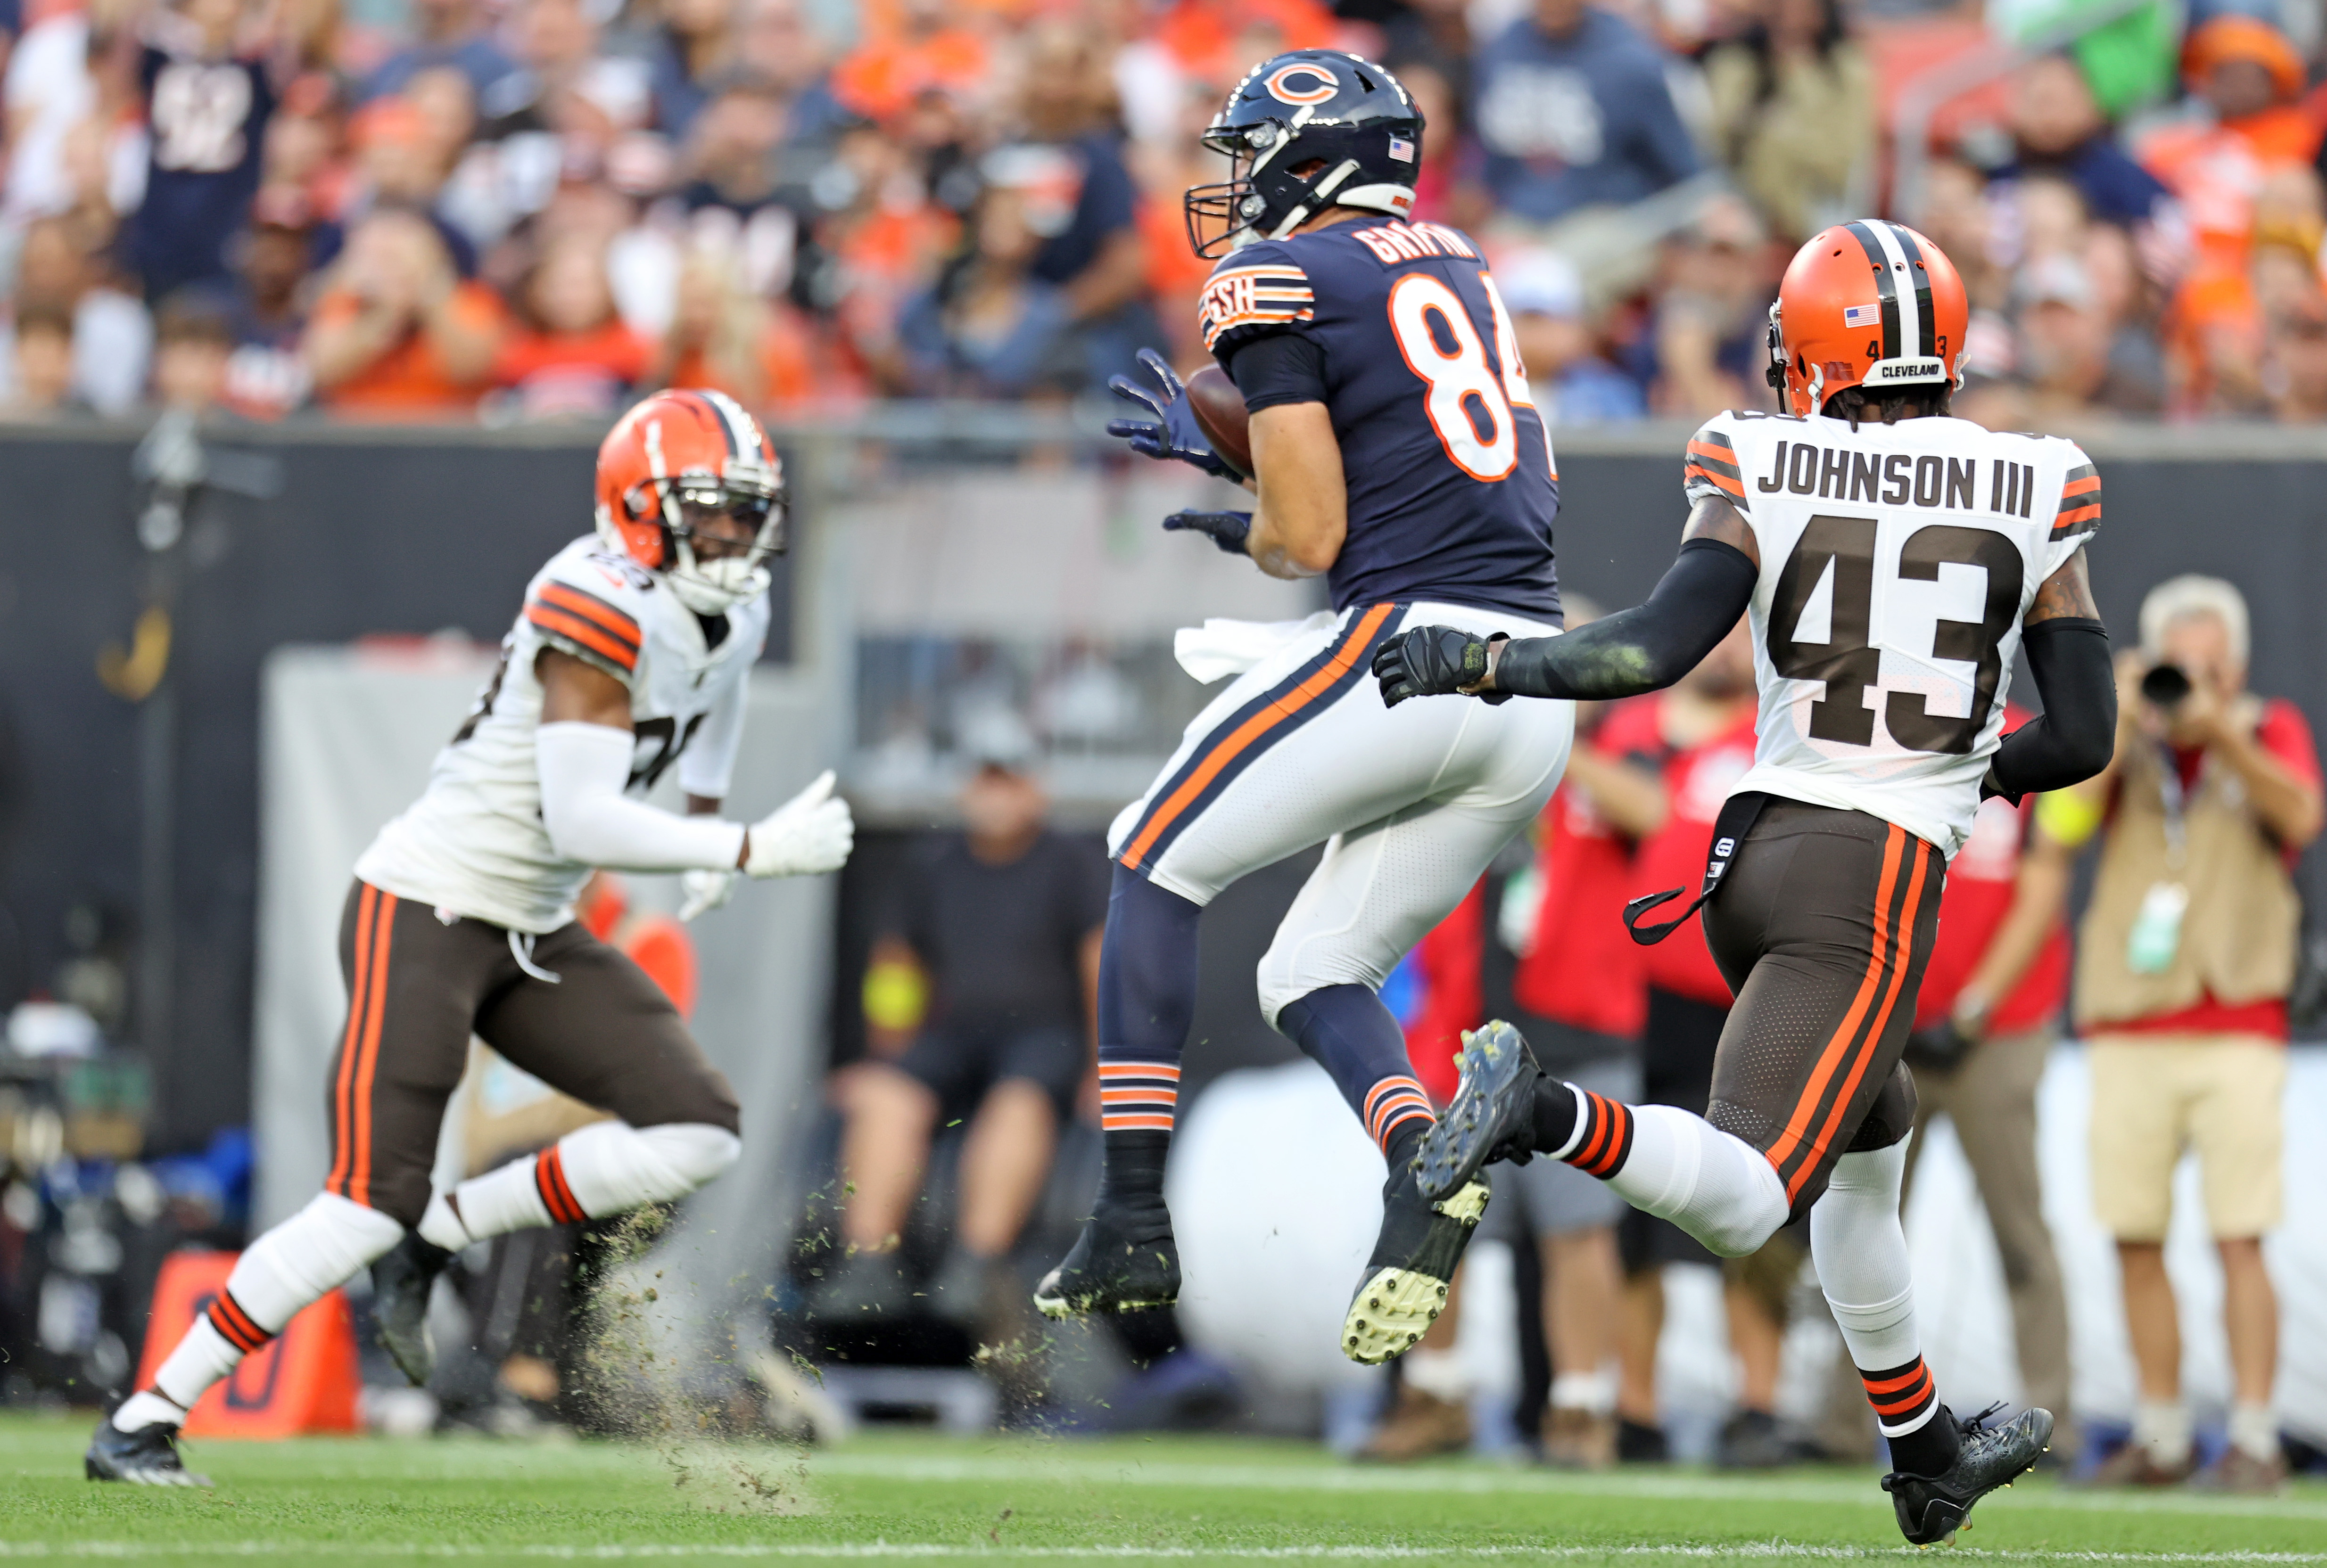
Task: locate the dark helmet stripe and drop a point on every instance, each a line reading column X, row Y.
column 743, row 438
column 1883, row 287
column 1926, row 337
column 709, row 403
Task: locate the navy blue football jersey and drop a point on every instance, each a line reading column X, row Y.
column 1451, row 480
column 207, row 124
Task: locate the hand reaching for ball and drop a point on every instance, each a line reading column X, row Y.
column 1196, row 422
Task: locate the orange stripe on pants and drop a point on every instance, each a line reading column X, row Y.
column 383, row 936
column 1797, row 1125
column 1242, row 738
column 359, row 985
column 1903, row 938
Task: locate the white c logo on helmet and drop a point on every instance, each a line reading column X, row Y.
column 1280, row 84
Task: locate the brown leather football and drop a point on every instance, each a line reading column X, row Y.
column 1218, row 408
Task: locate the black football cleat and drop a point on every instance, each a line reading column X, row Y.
column 1413, row 1260
column 1125, row 1261
column 1932, row 1508
column 147, row 1457
column 1491, row 1118
column 401, row 1280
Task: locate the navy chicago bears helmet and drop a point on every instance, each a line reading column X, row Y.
column 1346, row 124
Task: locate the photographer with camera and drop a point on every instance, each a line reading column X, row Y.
column 2185, row 959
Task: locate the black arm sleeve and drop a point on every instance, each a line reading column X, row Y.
column 1281, row 368
column 2077, row 733
column 1646, row 647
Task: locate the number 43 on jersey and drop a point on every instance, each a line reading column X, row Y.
column 1924, row 542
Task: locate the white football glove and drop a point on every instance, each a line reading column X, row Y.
column 810, row 834
column 706, row 890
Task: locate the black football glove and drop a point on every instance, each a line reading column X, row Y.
column 1432, row 661
column 1173, row 432
column 1229, row 531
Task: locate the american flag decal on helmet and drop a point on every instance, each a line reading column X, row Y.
column 1401, row 149
column 1862, row 315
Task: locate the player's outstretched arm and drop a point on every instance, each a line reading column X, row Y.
column 2067, row 652
column 1644, row 648
column 582, row 758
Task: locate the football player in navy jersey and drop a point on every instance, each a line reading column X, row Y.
column 1395, row 454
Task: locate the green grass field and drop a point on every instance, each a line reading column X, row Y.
column 1192, row 1500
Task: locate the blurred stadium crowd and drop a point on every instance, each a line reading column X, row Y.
column 537, row 209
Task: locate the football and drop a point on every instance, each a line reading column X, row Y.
column 1218, row 408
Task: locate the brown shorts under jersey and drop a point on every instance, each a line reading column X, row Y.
column 419, row 983
column 1822, row 925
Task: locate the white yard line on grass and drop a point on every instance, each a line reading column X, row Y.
column 1762, row 1551
column 1108, row 1469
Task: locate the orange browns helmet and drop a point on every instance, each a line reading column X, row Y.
column 1871, row 303
column 674, row 458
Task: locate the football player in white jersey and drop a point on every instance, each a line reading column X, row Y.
column 1896, row 564
column 631, row 656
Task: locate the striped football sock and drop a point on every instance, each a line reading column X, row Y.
column 1907, row 1410
column 1147, row 969
column 1903, row 1397
column 1600, row 1139
column 1138, row 1101
column 299, row 1261
column 1393, row 1107
column 1347, row 1030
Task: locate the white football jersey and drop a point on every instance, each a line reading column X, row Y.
column 1896, row 563
column 474, row 842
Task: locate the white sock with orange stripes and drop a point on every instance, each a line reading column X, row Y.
column 1681, row 1167
column 300, row 1261
column 602, row 1169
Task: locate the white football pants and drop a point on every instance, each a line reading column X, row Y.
column 1411, row 802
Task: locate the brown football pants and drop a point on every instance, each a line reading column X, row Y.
column 420, row 982
column 1822, row 927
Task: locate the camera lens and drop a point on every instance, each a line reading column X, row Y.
column 2165, row 686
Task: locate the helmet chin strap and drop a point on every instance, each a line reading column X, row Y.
column 1318, row 193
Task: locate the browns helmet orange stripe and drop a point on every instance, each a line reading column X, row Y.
column 1868, row 303
column 685, row 449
